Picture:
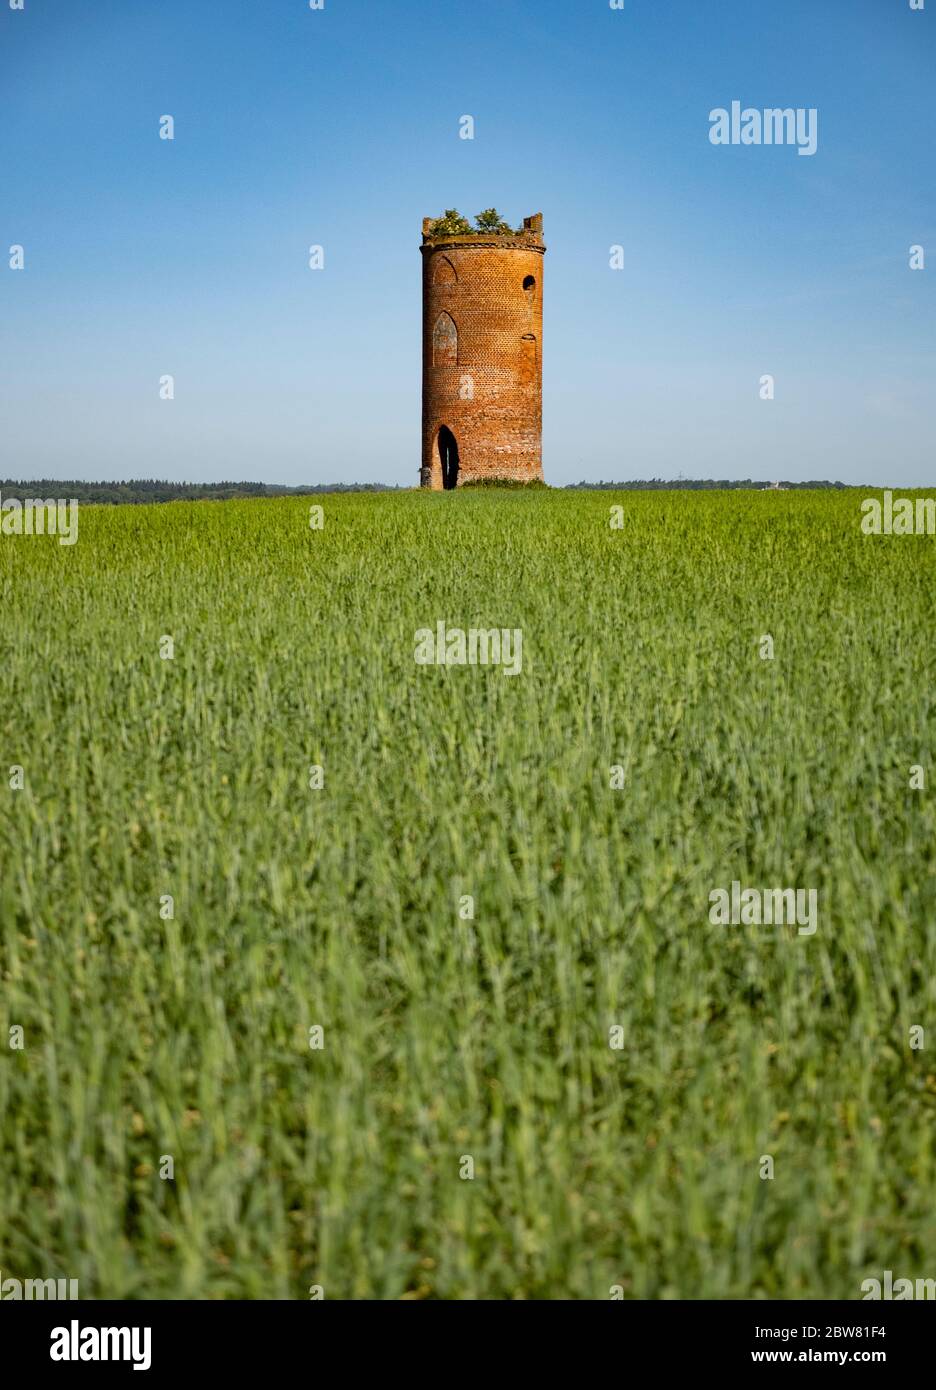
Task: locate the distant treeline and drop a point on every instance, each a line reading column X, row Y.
column 697, row 485
column 154, row 490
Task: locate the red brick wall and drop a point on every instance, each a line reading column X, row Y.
column 491, row 397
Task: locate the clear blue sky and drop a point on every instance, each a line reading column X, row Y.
column 340, row 127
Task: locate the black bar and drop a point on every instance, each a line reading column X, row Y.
column 244, row 1339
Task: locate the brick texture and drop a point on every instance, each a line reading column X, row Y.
column 483, row 355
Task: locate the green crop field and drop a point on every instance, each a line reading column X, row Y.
column 456, row 1023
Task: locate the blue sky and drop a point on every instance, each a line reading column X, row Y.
column 339, row 127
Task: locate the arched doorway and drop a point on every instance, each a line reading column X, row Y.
column 448, row 457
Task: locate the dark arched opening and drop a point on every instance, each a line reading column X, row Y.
column 448, row 457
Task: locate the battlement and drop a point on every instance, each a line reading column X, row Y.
column 529, row 239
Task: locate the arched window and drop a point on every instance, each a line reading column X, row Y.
column 443, row 272
column 529, row 285
column 444, row 342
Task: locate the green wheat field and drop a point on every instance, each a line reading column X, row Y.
column 452, row 1043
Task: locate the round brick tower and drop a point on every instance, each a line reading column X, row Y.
column 482, row 356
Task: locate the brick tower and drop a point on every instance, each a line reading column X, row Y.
column 482, row 414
